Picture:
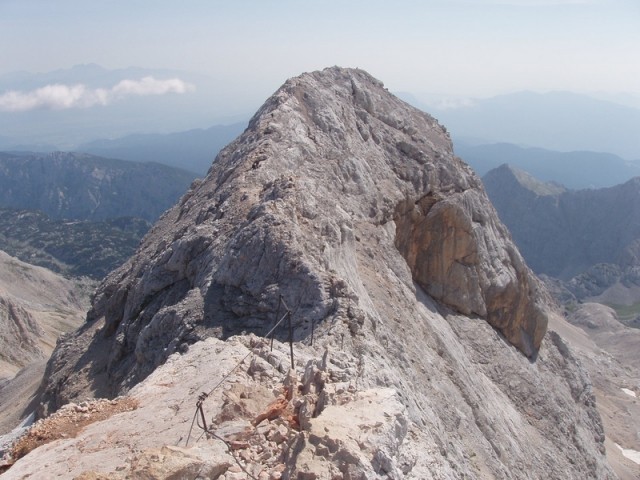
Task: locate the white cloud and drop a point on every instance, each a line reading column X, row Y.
column 61, row 97
column 151, row 86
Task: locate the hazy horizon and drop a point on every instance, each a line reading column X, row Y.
column 452, row 48
column 170, row 68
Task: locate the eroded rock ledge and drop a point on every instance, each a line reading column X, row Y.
column 456, row 251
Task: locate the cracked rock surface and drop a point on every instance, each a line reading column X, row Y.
column 348, row 206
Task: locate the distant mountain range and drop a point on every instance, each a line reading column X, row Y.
column 573, row 169
column 85, row 187
column 589, row 239
column 193, row 150
column 152, row 112
column 560, row 121
column 563, row 232
column 79, row 214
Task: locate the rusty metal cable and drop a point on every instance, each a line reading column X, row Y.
column 204, row 395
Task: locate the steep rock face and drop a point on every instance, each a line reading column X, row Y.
column 277, row 213
column 345, row 203
column 19, row 334
column 456, row 250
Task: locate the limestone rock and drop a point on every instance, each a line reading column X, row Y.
column 345, row 205
column 280, row 210
column 461, row 416
column 460, row 254
column 609, row 351
column 360, row 438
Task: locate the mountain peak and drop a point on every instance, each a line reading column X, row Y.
column 507, row 172
column 319, row 98
column 344, row 208
column 330, row 157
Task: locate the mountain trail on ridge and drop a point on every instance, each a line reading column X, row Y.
column 348, row 205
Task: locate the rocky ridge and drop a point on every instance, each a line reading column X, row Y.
column 348, row 205
column 317, row 421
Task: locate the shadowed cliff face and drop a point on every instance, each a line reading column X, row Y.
column 349, row 205
column 563, row 233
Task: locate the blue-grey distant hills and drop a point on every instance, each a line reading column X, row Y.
column 556, row 121
column 193, row 150
column 589, row 238
column 579, row 169
column 80, row 186
column 79, row 214
column 131, row 108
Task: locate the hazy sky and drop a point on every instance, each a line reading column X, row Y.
column 475, row 48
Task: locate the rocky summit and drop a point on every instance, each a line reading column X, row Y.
column 418, row 331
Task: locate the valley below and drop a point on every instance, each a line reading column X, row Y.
column 37, row 307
